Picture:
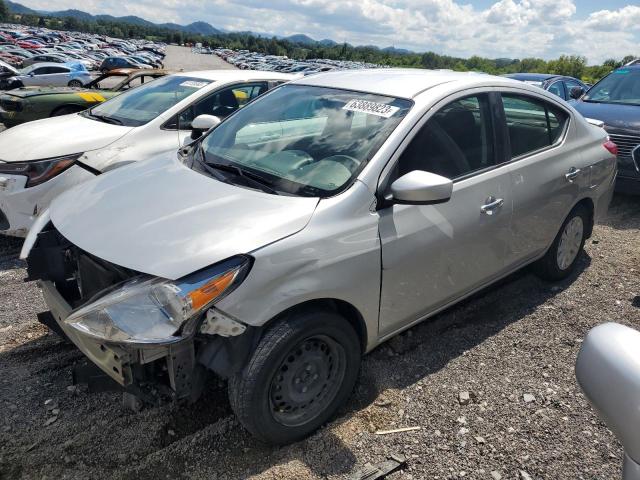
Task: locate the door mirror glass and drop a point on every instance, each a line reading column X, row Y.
column 203, row 123
column 421, row 188
column 576, row 92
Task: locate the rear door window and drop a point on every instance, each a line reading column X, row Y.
column 557, row 88
column 532, row 124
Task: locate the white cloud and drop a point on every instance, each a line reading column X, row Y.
column 508, row 28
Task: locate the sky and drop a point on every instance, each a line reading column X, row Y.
column 506, row 28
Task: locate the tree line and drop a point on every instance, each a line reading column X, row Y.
column 573, row 65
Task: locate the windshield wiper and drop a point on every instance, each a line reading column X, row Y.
column 257, row 180
column 105, row 119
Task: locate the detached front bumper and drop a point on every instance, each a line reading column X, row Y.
column 132, row 366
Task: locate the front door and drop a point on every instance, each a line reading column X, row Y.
column 433, row 254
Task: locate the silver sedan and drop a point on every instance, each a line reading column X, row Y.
column 312, row 225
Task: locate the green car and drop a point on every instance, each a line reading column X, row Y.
column 33, row 103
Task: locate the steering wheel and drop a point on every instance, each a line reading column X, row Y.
column 345, row 160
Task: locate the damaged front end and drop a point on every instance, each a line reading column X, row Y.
column 153, row 336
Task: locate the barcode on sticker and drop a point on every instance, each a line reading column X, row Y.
column 193, row 84
column 373, row 108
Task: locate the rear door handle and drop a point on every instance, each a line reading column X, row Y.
column 572, row 174
column 492, row 205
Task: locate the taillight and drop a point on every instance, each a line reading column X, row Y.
column 611, row 147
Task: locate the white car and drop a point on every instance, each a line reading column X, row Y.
column 72, row 74
column 41, row 159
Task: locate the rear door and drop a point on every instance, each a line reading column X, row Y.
column 545, row 168
column 435, row 254
column 57, row 77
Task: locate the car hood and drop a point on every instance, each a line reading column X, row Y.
column 161, row 218
column 36, row 91
column 614, row 116
column 57, row 136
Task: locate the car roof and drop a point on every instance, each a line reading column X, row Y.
column 532, row 77
column 234, row 75
column 394, row 82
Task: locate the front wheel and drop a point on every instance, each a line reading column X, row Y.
column 562, row 257
column 302, row 371
column 75, row 84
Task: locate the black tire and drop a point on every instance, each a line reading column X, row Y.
column 75, row 84
column 549, row 267
column 66, row 110
column 324, row 353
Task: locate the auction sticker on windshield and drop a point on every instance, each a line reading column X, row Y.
column 193, row 84
column 372, row 108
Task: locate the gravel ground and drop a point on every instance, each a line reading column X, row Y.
column 518, row 338
column 515, row 339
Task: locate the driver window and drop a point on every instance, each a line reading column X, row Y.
column 455, row 141
column 221, row 103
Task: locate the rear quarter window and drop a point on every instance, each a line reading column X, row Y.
column 532, row 124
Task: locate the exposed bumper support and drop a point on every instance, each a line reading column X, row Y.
column 126, row 364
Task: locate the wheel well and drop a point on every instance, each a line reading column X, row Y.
column 587, row 203
column 345, row 309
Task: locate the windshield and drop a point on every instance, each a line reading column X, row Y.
column 620, row 86
column 141, row 105
column 302, row 140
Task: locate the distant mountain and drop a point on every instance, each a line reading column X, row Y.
column 20, row 9
column 300, row 38
column 198, row 28
column 201, row 28
column 397, row 51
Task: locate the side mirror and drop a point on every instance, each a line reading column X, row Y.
column 421, row 188
column 576, row 92
column 203, row 123
column 32, row 74
column 608, row 371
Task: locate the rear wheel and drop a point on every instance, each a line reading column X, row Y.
column 302, row 371
column 562, row 257
column 75, row 84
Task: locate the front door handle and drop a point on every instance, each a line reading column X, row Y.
column 572, row 174
column 492, row 205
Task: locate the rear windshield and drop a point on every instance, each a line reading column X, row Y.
column 140, row 105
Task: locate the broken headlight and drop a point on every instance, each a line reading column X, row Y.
column 153, row 310
column 39, row 171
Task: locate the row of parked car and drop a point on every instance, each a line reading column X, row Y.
column 271, row 228
column 22, row 47
column 247, row 60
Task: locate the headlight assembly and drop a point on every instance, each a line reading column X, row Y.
column 153, row 310
column 39, row 171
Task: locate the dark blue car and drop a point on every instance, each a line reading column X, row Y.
column 565, row 87
column 615, row 100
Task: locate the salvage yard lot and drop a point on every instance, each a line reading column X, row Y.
column 511, row 347
column 519, row 337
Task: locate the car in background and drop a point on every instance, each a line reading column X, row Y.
column 615, row 101
column 49, row 74
column 7, row 71
column 312, row 225
column 33, row 103
column 565, row 87
column 47, row 58
column 111, row 63
column 41, row 159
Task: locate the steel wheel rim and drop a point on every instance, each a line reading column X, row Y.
column 307, row 380
column 570, row 243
